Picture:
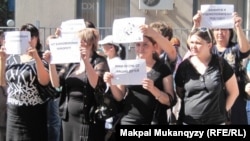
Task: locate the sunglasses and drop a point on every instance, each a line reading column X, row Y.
column 204, row 30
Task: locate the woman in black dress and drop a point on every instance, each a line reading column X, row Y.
column 79, row 82
column 155, row 91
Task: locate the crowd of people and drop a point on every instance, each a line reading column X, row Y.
column 204, row 87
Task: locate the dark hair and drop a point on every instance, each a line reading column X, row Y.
column 165, row 29
column 89, row 24
column 204, row 33
column 231, row 43
column 121, row 51
column 34, row 32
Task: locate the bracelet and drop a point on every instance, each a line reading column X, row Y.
column 59, row 89
column 158, row 97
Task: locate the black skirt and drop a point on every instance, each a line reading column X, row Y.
column 75, row 130
column 27, row 123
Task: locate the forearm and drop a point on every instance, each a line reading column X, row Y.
column 54, row 78
column 165, row 44
column 118, row 92
column 232, row 92
column 42, row 73
column 2, row 72
column 242, row 40
column 230, row 101
column 161, row 96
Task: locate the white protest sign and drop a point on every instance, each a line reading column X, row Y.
column 17, row 42
column 217, row 16
column 70, row 28
column 64, row 50
column 127, row 30
column 128, row 72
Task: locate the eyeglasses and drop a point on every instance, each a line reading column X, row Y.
column 204, row 30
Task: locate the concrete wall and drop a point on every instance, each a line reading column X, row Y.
column 50, row 13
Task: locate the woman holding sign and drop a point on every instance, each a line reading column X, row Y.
column 202, row 81
column 27, row 114
column 79, row 82
column 234, row 53
column 146, row 104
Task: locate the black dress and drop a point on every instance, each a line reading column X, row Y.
column 139, row 104
column 26, row 111
column 79, row 96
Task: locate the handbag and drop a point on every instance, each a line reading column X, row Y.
column 106, row 105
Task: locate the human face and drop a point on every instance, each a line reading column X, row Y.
column 145, row 49
column 198, row 46
column 221, row 35
column 107, row 48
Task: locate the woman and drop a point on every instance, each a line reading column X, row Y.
column 156, row 89
column 200, row 81
column 79, row 82
column 113, row 52
column 233, row 53
column 27, row 113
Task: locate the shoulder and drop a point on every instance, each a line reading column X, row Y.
column 159, row 65
column 184, row 63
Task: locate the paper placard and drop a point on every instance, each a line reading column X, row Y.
column 17, row 42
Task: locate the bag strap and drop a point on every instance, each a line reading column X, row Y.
column 221, row 70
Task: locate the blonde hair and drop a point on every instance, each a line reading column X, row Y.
column 90, row 36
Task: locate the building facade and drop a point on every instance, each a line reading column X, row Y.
column 48, row 15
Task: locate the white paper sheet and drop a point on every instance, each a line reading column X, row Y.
column 64, row 50
column 217, row 16
column 128, row 72
column 17, row 42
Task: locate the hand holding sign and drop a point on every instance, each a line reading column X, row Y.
column 127, row 30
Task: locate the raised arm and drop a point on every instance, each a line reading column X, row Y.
column 162, row 42
column 242, row 39
column 197, row 20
